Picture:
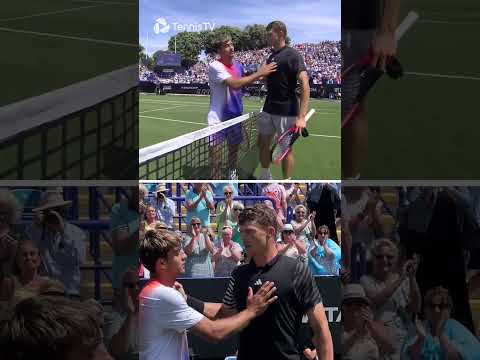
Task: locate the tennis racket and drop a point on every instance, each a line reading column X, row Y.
column 283, row 144
column 369, row 75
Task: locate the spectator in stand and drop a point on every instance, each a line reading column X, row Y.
column 62, row 245
column 293, row 191
column 142, row 194
column 150, row 218
column 436, row 219
column 440, row 336
column 276, row 192
column 304, row 226
column 363, row 338
column 51, row 327
column 121, row 324
column 325, row 201
column 166, row 207
column 199, row 203
column 237, row 209
column 394, row 293
column 324, row 254
column 199, row 248
column 9, row 211
column 225, row 207
column 362, row 215
column 124, row 225
column 218, row 188
column 25, row 280
column 290, row 246
column 228, row 253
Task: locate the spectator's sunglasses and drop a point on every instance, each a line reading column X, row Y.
column 323, row 232
column 196, row 224
column 288, row 232
column 237, row 209
column 300, row 212
column 228, row 193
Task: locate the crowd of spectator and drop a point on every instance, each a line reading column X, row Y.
column 44, row 311
column 211, row 234
column 323, row 62
column 146, row 74
column 405, row 292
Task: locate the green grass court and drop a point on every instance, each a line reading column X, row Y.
column 55, row 43
column 424, row 126
column 317, row 157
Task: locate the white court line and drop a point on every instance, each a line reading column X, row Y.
column 126, row 3
column 98, row 41
column 167, row 102
column 460, row 77
column 326, row 136
column 171, row 107
column 180, row 121
column 447, row 22
column 52, row 12
column 196, row 123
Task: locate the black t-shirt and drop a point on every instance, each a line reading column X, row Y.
column 273, row 334
column 281, row 84
column 360, row 14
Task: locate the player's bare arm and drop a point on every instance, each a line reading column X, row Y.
column 304, row 99
column 264, row 71
column 384, row 43
column 322, row 338
column 220, row 329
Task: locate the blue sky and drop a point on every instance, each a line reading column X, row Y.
column 306, row 20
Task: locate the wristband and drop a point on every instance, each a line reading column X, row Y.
column 195, row 304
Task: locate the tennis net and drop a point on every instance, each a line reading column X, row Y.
column 76, row 133
column 206, row 153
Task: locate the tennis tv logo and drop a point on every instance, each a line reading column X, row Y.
column 161, row 26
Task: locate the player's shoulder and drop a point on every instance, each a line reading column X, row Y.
column 241, row 270
column 215, row 65
column 290, row 262
column 292, row 52
column 300, row 269
column 161, row 294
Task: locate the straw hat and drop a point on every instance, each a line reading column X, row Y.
column 354, row 291
column 50, row 200
column 161, row 188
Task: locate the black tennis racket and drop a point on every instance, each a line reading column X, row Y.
column 369, row 75
column 283, row 144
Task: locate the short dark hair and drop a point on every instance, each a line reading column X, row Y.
column 156, row 245
column 278, row 25
column 260, row 214
column 47, row 327
column 221, row 40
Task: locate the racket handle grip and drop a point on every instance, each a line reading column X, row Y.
column 305, row 132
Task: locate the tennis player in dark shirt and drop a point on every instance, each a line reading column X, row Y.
column 365, row 26
column 282, row 109
column 273, row 335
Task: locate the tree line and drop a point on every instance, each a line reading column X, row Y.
column 191, row 44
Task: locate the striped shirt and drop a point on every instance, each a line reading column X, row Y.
column 273, row 334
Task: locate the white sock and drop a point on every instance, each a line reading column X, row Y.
column 356, row 177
